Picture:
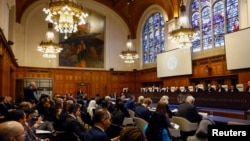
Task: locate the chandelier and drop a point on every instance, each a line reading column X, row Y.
column 66, row 15
column 48, row 47
column 183, row 36
column 130, row 54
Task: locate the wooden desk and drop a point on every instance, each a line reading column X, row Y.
column 224, row 120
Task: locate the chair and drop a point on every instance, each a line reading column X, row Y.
column 235, row 123
column 139, row 122
column 128, row 121
column 187, row 128
column 131, row 113
column 194, row 138
column 185, row 125
column 174, row 133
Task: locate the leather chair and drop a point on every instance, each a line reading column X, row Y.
column 139, row 122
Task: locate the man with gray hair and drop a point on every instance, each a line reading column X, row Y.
column 12, row 131
column 30, row 93
column 188, row 110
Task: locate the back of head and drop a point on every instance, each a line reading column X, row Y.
column 164, row 98
column 140, row 99
column 161, row 107
column 99, row 115
column 147, row 101
column 131, row 133
column 9, row 130
column 190, row 99
column 16, row 115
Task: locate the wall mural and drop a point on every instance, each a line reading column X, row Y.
column 85, row 48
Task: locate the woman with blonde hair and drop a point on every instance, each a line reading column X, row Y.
column 165, row 99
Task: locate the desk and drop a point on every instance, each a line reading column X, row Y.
column 224, row 120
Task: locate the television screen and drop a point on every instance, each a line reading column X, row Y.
column 237, row 48
column 174, row 63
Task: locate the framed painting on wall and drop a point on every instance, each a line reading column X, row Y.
column 85, row 48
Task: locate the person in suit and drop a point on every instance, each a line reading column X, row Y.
column 73, row 126
column 209, row 88
column 248, row 87
column 142, row 111
column 30, row 93
column 220, row 89
column 197, row 89
column 233, row 88
column 12, row 131
column 102, row 121
column 188, row 110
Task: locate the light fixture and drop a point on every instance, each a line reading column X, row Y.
column 183, row 36
column 130, row 54
column 49, row 48
column 66, row 15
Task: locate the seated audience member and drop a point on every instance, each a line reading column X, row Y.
column 73, row 126
column 165, row 99
column 130, row 103
column 157, row 129
column 102, row 120
column 202, row 130
column 131, row 133
column 161, row 108
column 188, row 110
column 117, row 119
column 220, row 88
column 143, row 110
column 139, row 101
column 186, row 89
column 197, row 89
column 233, row 88
column 12, row 131
column 20, row 116
column 91, row 108
column 209, row 88
column 248, row 87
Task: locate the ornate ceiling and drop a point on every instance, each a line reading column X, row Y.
column 137, row 8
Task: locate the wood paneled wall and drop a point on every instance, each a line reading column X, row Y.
column 106, row 82
column 103, row 82
column 8, row 67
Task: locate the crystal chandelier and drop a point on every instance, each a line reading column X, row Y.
column 66, row 15
column 183, row 36
column 130, row 54
column 48, row 47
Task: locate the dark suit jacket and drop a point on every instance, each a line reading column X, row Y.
column 189, row 112
column 210, row 90
column 233, row 90
column 73, row 126
column 96, row 134
column 29, row 95
column 220, row 90
column 248, row 89
column 142, row 112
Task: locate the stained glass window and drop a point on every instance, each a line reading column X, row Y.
column 211, row 19
column 153, row 38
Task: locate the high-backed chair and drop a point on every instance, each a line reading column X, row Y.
column 139, row 122
column 131, row 113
